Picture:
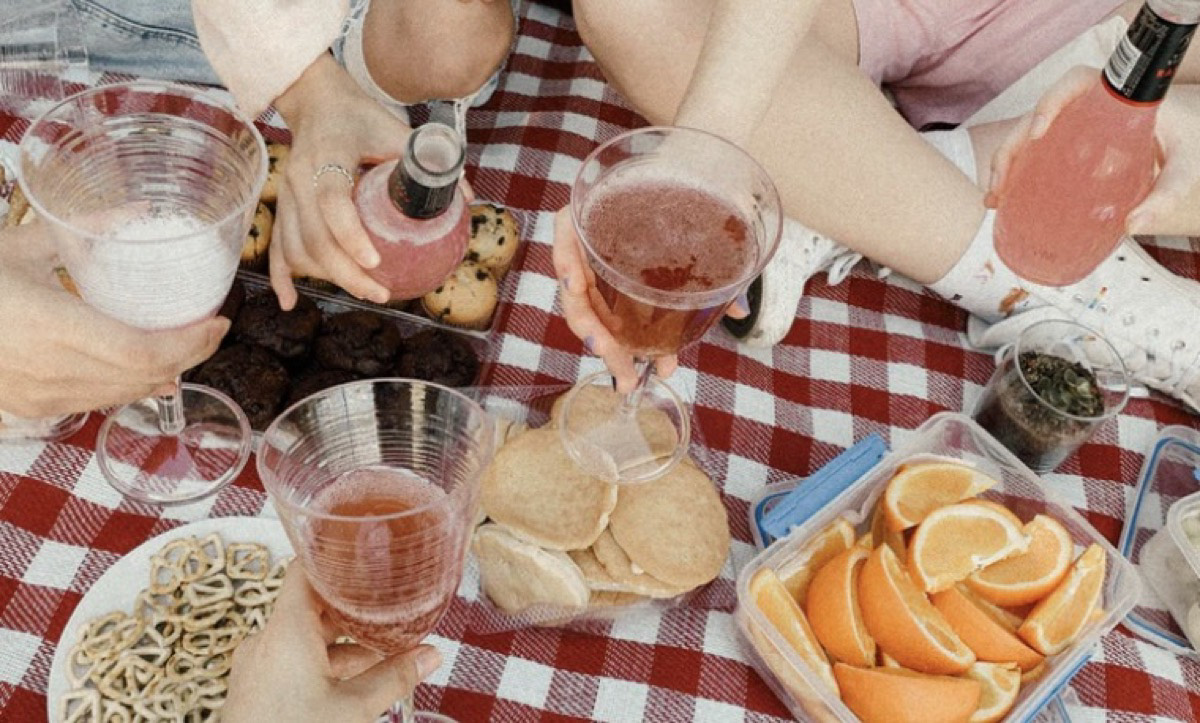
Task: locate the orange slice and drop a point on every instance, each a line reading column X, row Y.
column 887, row 661
column 992, row 505
column 833, row 610
column 918, row 489
column 779, row 607
column 903, row 622
column 982, row 634
column 880, row 532
column 1010, row 620
column 1029, row 676
column 797, row 572
column 956, row 540
column 999, row 685
column 1054, row 623
column 895, row 695
column 1031, row 575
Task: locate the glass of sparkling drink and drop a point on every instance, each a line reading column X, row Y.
column 377, row 483
column 675, row 224
column 149, row 189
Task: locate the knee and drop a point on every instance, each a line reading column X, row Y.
column 604, row 25
column 465, row 61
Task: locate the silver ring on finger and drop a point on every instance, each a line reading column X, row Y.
column 332, row 168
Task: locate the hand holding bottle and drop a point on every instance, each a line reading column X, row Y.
column 1171, row 206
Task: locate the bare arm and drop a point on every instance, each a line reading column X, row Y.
column 748, row 46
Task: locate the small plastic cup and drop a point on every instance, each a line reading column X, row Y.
column 42, row 48
column 1051, row 390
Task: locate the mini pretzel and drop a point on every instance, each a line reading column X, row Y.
column 176, row 550
column 151, row 647
column 218, row 665
column 213, row 641
column 200, row 562
column 208, row 591
column 256, row 619
column 111, row 634
column 115, row 712
column 165, row 575
column 168, row 629
column 80, row 706
column 204, row 618
column 253, row 593
column 129, row 680
column 247, row 561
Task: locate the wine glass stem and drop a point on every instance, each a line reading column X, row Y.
column 630, row 402
column 408, row 709
column 170, row 411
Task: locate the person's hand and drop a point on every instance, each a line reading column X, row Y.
column 584, row 309
column 58, row 355
column 317, row 229
column 293, row 670
column 1176, row 130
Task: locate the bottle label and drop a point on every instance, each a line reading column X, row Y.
column 1144, row 62
column 417, row 200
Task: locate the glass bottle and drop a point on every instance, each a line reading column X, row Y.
column 1063, row 206
column 415, row 214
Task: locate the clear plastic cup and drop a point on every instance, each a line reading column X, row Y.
column 42, row 49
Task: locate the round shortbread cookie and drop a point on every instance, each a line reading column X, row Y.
column 630, row 578
column 594, row 574
column 534, row 489
column 516, row 575
column 675, row 527
column 609, row 598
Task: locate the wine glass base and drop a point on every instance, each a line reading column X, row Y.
column 620, row 443
column 46, row 429
column 145, row 463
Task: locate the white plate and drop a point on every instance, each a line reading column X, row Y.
column 119, row 585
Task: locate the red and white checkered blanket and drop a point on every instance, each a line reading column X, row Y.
column 867, row 355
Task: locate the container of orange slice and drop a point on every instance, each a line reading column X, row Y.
column 948, row 583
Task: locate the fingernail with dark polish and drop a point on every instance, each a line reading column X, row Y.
column 588, row 341
column 743, row 302
column 566, row 282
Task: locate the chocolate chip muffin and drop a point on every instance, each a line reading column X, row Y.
column 315, row 380
column 249, row 374
column 438, row 356
column 467, row 298
column 361, row 342
column 288, row 335
column 494, row 238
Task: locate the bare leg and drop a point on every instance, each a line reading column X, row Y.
column 418, row 50
column 846, row 164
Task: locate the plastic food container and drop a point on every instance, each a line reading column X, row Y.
column 1155, row 539
column 953, row 436
column 411, row 313
column 530, row 406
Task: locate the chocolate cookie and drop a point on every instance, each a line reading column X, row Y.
column 361, row 342
column 233, row 301
column 249, row 374
column 317, row 380
column 287, row 334
column 438, row 356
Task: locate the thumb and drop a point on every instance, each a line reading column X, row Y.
column 196, row 343
column 393, row 679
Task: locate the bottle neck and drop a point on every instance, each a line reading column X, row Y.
column 424, row 182
column 1144, row 63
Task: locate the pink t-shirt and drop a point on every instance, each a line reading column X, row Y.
column 944, row 59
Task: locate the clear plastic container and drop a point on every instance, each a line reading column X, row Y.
column 1167, row 487
column 530, row 406
column 948, row 435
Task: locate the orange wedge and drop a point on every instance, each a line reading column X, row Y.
column 880, row 532
column 956, row 540
column 990, row 504
column 798, row 570
column 1029, row 676
column 999, row 685
column 833, row 610
column 1031, row 575
column 1054, row 622
column 988, row 638
column 887, row 661
column 918, row 489
column 903, row 622
column 1010, row 620
column 774, row 601
column 895, row 695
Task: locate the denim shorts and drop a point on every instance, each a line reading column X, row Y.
column 157, row 39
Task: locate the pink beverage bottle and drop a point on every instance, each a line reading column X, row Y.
column 415, row 214
column 1063, row 206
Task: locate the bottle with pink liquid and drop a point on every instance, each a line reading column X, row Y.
column 415, row 214
column 1064, row 204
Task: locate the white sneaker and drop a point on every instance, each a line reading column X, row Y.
column 1150, row 315
column 773, row 297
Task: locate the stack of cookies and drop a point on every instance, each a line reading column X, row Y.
column 559, row 541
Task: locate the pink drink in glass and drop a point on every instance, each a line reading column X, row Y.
column 670, row 237
column 386, row 581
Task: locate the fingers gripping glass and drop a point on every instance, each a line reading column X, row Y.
column 675, row 224
column 149, row 189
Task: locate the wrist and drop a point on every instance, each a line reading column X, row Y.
column 318, row 81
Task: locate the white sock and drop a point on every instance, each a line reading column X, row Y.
column 983, row 284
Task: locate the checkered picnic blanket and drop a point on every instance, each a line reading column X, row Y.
column 866, row 355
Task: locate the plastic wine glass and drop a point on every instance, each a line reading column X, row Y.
column 675, row 223
column 377, row 483
column 149, row 189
